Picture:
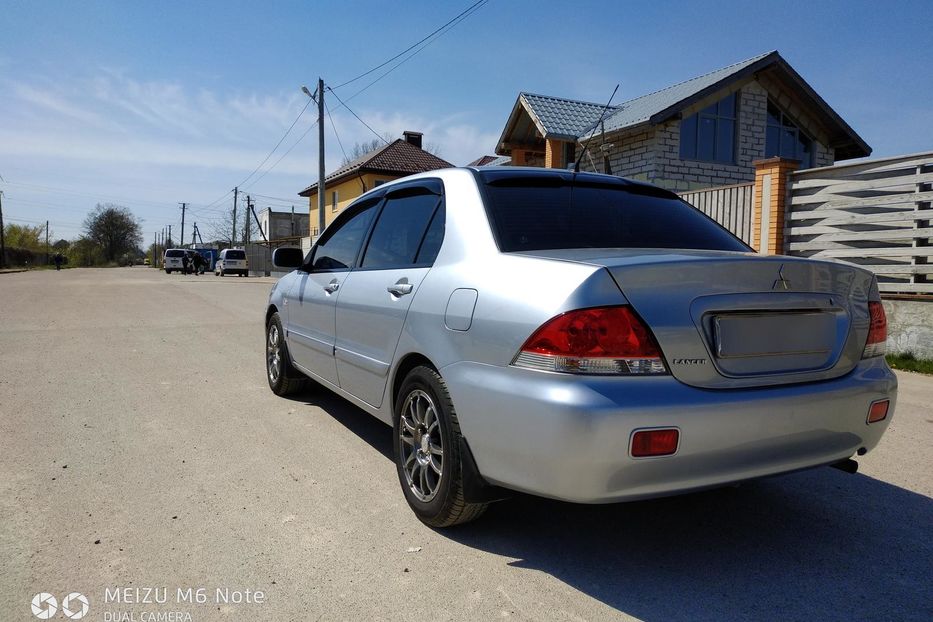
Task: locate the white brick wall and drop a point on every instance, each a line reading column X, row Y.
column 653, row 153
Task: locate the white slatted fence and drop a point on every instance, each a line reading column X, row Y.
column 730, row 206
column 875, row 213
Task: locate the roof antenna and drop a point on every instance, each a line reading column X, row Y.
column 576, row 166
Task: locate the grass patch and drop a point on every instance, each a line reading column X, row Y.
column 908, row 362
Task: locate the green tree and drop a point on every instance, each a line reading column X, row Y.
column 114, row 230
column 24, row 236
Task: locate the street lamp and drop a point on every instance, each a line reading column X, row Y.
column 320, row 150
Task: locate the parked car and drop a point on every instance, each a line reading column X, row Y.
column 232, row 261
column 576, row 336
column 172, row 260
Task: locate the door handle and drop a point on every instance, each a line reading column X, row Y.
column 331, row 287
column 401, row 288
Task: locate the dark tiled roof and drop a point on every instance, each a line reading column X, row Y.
column 396, row 158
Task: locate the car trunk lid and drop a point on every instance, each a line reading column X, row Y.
column 731, row 320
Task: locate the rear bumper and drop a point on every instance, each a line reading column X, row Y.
column 568, row 437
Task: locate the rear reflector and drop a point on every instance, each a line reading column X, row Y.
column 877, row 331
column 655, row 442
column 878, row 411
column 600, row 340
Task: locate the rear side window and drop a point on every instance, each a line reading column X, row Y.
column 235, row 255
column 174, row 253
column 551, row 213
column 400, row 233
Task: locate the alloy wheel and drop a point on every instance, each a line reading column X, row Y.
column 421, row 445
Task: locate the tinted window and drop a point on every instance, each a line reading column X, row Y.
column 432, row 239
column 400, row 230
column 338, row 247
column 710, row 134
column 235, row 255
column 531, row 216
column 174, row 253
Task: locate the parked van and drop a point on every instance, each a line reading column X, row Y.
column 172, row 260
column 232, row 261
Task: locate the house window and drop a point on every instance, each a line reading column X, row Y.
column 785, row 139
column 710, row 134
column 379, row 182
column 333, row 201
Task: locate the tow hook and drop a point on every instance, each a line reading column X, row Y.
column 848, row 465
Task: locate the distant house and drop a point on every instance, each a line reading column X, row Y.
column 282, row 225
column 399, row 158
column 488, row 160
column 704, row 132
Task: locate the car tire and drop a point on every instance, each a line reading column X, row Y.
column 168, row 271
column 283, row 378
column 424, row 409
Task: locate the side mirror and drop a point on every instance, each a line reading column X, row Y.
column 287, row 258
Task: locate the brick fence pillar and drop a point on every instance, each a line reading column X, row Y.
column 770, row 204
column 553, row 153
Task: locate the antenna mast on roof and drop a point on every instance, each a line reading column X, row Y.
column 576, row 166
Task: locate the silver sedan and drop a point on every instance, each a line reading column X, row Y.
column 576, row 336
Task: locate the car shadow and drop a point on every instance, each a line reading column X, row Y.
column 815, row 545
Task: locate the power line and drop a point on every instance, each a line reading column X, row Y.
column 472, row 7
column 334, row 126
column 423, row 43
column 287, row 132
column 342, row 103
column 295, row 144
column 417, row 51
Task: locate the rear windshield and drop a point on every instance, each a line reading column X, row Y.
column 554, row 213
column 173, row 252
column 235, row 255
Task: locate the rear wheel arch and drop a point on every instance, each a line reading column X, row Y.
column 408, row 363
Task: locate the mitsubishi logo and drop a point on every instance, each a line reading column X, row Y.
column 782, row 282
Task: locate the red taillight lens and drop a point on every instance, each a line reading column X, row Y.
column 877, row 331
column 602, row 340
column 654, row 442
column 878, row 411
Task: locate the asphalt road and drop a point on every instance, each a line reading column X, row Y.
column 140, row 447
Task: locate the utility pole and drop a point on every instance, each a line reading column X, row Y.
column 194, row 232
column 236, row 194
column 169, row 234
column 182, row 237
column 2, row 239
column 320, row 155
column 46, row 242
column 293, row 221
column 249, row 206
column 268, row 270
column 155, row 244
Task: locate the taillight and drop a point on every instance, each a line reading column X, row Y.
column 877, row 331
column 602, row 340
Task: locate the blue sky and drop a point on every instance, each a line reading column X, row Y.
column 150, row 104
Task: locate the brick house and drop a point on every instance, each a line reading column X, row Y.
column 704, row 132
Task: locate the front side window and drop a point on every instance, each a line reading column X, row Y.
column 710, row 134
column 340, row 244
column 408, row 232
column 785, row 139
